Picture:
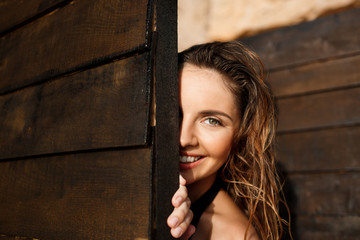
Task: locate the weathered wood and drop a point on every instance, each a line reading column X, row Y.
column 325, row 194
column 167, row 115
column 86, row 118
column 327, row 37
column 68, row 39
column 320, row 76
column 327, row 149
column 98, row 195
column 107, row 106
column 320, row 110
column 329, row 227
column 314, row 72
column 5, row 237
column 13, row 12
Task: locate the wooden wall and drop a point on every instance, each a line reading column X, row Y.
column 88, row 148
column 314, row 70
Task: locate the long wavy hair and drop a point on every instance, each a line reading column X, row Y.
column 249, row 174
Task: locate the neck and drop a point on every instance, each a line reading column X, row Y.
column 198, row 188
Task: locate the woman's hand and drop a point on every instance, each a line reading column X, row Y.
column 180, row 219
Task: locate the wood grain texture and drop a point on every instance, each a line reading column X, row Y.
column 326, row 149
column 107, row 106
column 98, row 195
column 328, row 109
column 76, row 35
column 320, row 76
column 314, row 73
column 166, row 142
column 5, row 237
column 326, row 194
column 329, row 227
column 15, row 12
column 329, row 36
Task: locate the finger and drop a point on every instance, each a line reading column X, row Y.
column 188, row 233
column 179, row 214
column 182, row 180
column 180, row 195
column 182, row 228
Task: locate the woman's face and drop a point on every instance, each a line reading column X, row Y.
column 209, row 121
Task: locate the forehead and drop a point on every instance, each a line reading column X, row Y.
column 204, row 86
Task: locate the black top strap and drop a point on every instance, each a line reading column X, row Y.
column 199, row 206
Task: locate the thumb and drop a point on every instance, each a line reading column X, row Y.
column 182, row 180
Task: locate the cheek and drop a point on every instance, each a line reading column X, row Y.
column 219, row 146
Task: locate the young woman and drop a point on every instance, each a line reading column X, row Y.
column 227, row 129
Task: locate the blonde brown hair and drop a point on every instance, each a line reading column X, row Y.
column 249, row 174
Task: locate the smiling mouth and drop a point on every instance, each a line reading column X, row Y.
column 189, row 159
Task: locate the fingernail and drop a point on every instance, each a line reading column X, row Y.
column 178, row 200
column 173, row 221
column 178, row 231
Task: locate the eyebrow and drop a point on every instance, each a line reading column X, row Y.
column 212, row 112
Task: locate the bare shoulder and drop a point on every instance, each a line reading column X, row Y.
column 225, row 220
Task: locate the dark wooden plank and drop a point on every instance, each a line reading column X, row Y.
column 337, row 73
column 167, row 115
column 327, row 149
column 4, row 237
column 81, row 33
column 326, row 37
column 99, row 108
column 325, row 194
column 320, row 110
column 15, row 12
column 99, row 195
column 331, row 227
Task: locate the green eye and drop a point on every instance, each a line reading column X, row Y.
column 212, row 121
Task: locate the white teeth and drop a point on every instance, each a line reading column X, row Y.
column 188, row 159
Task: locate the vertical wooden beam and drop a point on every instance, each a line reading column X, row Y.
column 166, row 130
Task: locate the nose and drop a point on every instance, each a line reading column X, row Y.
column 187, row 134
